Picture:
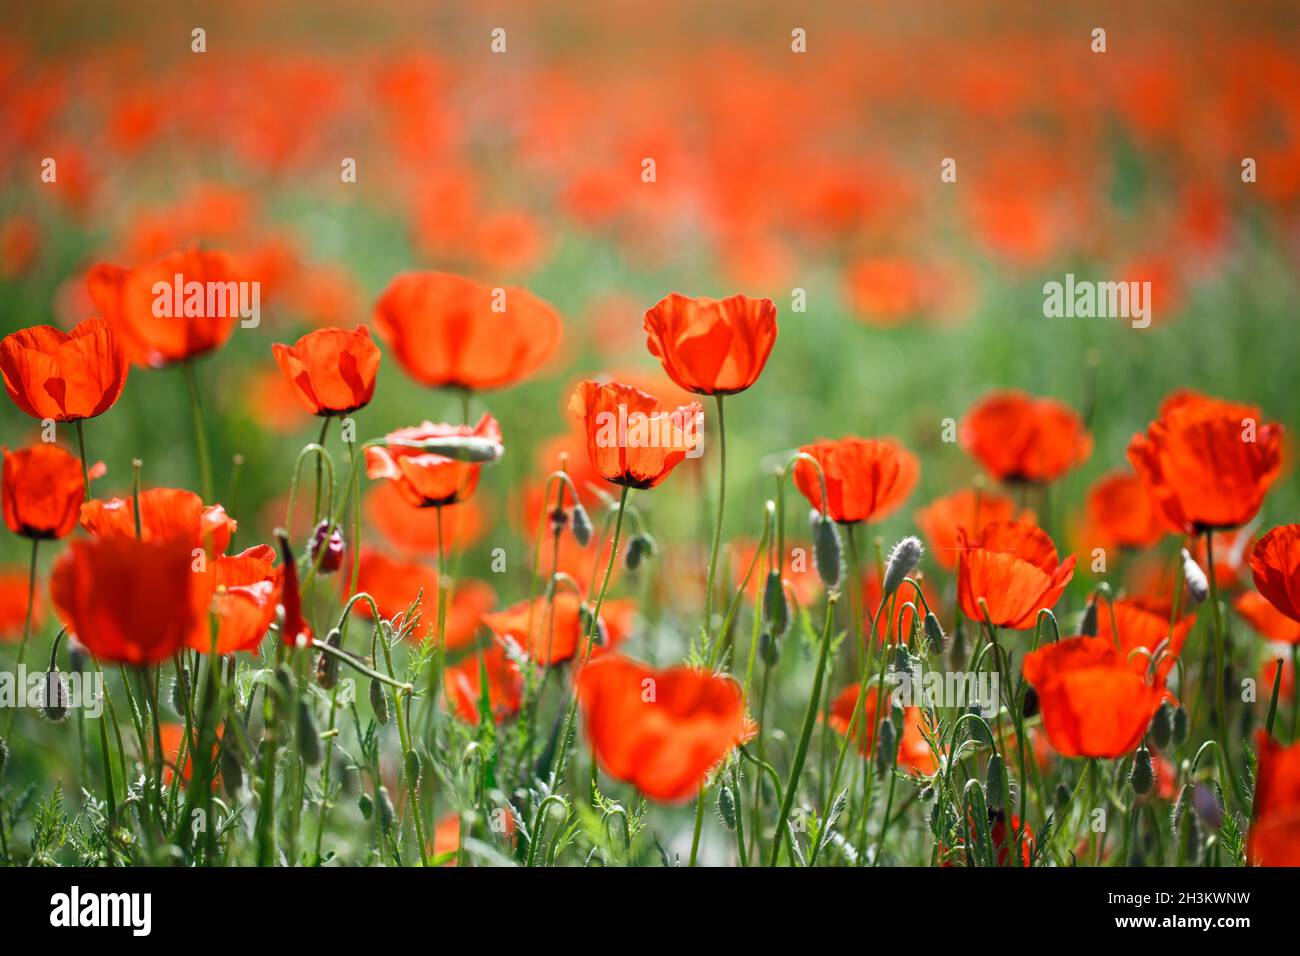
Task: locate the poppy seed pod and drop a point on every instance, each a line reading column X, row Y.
column 1030, row 706
column 1198, row 586
column 828, row 553
column 581, row 525
column 776, row 609
column 1143, row 775
column 903, row 559
column 378, row 702
column 768, row 649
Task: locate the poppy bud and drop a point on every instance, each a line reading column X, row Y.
column 1192, row 842
column 903, row 560
column 1179, row 811
column 727, row 807
column 768, row 649
column 181, row 691
column 54, row 696
column 308, row 738
column 581, row 526
column 1088, row 627
column 1179, row 726
column 1162, row 725
column 995, row 779
column 365, row 805
column 776, row 611
column 978, row 730
column 828, row 554
column 327, row 667
column 232, row 771
column 1143, row 775
column 887, row 746
column 642, row 546
column 1029, row 707
column 330, row 544
column 1198, row 586
column 933, row 633
column 412, row 766
column 378, row 702
column 385, row 809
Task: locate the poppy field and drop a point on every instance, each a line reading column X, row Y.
column 657, row 436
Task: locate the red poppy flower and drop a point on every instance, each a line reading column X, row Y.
column 660, row 730
column 1271, row 623
column 394, row 584
column 943, row 519
column 1121, row 513
column 247, row 591
column 424, row 479
column 1144, row 623
column 1275, row 564
column 331, row 371
column 866, row 478
column 172, row 736
column 558, row 635
column 165, row 514
column 464, row 691
column 1013, row 566
column 1094, row 704
column 64, row 376
column 446, row 331
column 414, row 530
column 712, row 346
column 1207, row 463
column 13, row 604
column 43, row 488
column 127, row 299
column 913, row 751
column 1003, row 837
column 1275, row 824
column 130, row 601
column 1017, row 437
column 631, row 439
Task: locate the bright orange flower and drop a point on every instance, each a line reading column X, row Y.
column 1121, row 513
column 944, row 518
column 244, row 601
column 43, row 488
column 505, row 685
column 165, row 514
column 393, row 583
column 660, row 730
column 331, row 371
column 1013, row 567
column 172, row 735
column 1207, row 463
column 424, row 479
column 1094, row 704
column 130, row 601
column 64, row 376
column 13, row 604
column 1144, row 623
column 1018, row 437
column 127, row 300
column 913, row 752
column 415, row 530
column 866, row 478
column 631, row 439
column 1275, row 564
column 712, row 346
column 1275, row 824
column 446, row 331
column 1271, row 623
column 559, row 635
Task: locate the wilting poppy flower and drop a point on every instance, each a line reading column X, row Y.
column 165, row 514
column 1260, row 614
column 913, row 752
column 1121, row 513
column 446, row 331
column 64, row 376
column 43, row 488
column 1275, row 824
column 942, row 520
column 866, row 478
column 130, row 601
column 1275, row 564
column 558, row 634
column 1207, row 463
column 331, row 371
column 1013, row 567
column 197, row 292
column 425, row 479
column 414, row 530
column 247, row 590
column 712, row 346
column 1142, row 622
column 1094, row 704
column 505, row 685
column 660, row 730
column 13, row 604
column 631, row 440
column 1018, row 437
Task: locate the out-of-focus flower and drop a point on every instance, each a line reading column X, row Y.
column 1275, row 564
column 246, row 593
column 62, row 376
column 42, row 488
column 1274, row 838
column 13, row 604
column 942, row 520
column 866, row 478
column 1018, row 437
column 1266, row 619
column 1143, row 623
column 505, row 685
column 1121, row 513
column 165, row 514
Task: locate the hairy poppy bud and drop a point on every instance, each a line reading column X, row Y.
column 327, row 547
column 978, row 730
column 927, row 793
column 995, row 779
column 1162, row 725
column 1179, row 810
column 887, row 746
column 327, row 666
column 385, row 809
column 54, row 696
column 642, row 546
column 1198, row 585
column 1088, row 626
column 1143, row 775
column 599, row 634
column 828, row 554
column 378, row 702
column 412, row 766
column 581, row 526
column 181, row 691
column 308, row 738
column 1191, row 839
column 1179, row 726
column 776, row 610
column 727, row 807
column 768, row 649
column 903, row 560
column 933, row 633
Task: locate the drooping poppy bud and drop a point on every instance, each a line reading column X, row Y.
column 828, row 554
column 581, row 525
column 933, row 633
column 1143, row 775
column 776, row 609
column 1162, row 726
column 903, row 559
column 327, row 665
column 378, row 702
column 1180, row 726
column 727, row 807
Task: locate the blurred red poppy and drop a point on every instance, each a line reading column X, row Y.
column 331, row 371
column 1207, row 463
column 1121, row 513
column 1266, row 619
column 711, row 346
column 1274, row 838
column 165, row 514
column 943, row 519
column 425, row 479
column 631, row 439
column 1018, row 437
column 660, row 730
column 1143, row 622
column 464, row 690
column 446, row 331
column 1013, row 567
column 560, row 634
column 1275, row 564
column 247, row 591
column 414, row 530
column 64, row 376
column 43, row 488
column 866, row 478
column 913, row 752
column 13, row 604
